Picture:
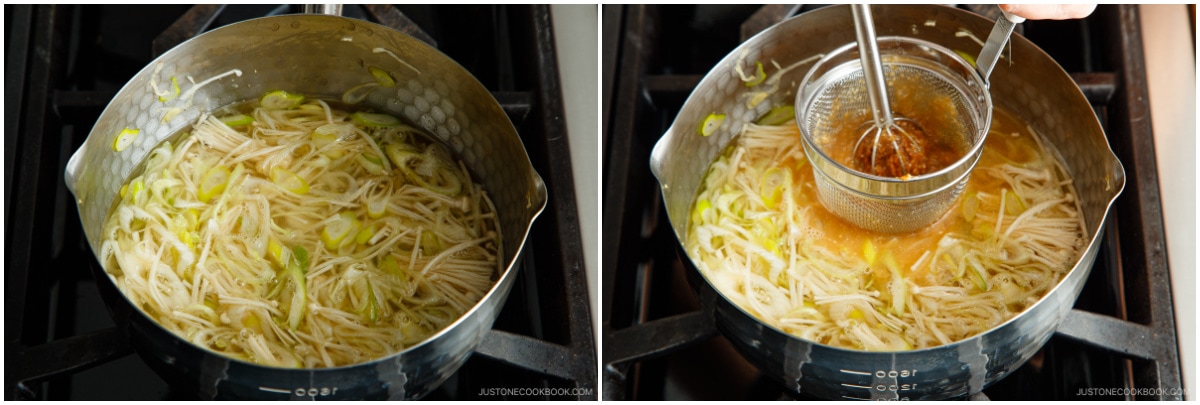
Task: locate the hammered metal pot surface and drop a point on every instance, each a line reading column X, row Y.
column 1028, row 83
column 316, row 55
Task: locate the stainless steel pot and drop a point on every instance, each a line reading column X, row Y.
column 1028, row 83
column 314, row 55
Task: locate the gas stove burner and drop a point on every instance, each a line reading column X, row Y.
column 65, row 62
column 1118, row 342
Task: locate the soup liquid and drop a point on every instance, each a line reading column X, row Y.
column 1010, row 140
column 761, row 236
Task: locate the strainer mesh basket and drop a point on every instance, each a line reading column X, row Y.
column 924, row 80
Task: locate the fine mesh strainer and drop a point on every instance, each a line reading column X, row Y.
column 924, row 80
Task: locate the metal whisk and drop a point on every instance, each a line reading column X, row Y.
column 885, row 188
column 903, row 139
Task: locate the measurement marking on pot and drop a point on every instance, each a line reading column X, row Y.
column 856, row 398
column 857, row 386
column 269, row 389
column 855, row 372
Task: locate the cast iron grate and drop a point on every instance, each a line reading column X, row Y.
column 64, row 63
column 659, row 345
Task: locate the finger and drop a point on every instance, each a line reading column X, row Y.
column 1050, row 11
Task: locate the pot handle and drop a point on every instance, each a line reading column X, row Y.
column 328, row 9
column 73, row 168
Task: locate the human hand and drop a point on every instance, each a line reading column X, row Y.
column 1049, row 11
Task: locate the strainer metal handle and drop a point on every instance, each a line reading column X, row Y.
column 996, row 40
column 864, row 31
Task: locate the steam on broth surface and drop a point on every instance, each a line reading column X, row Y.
column 291, row 233
column 759, row 234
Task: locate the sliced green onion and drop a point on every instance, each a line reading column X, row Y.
column 389, row 265
column 759, row 75
column 869, row 252
column 298, row 267
column 702, row 206
column 373, row 164
column 711, row 123
column 983, row 231
column 1013, row 204
column 213, row 183
column 288, row 180
column 281, row 100
column 372, row 308
column 237, row 120
column 381, row 76
column 970, row 205
column 377, row 207
column 137, row 189
column 175, row 87
column 276, row 252
column 777, row 115
column 772, row 184
column 328, row 134
column 337, row 230
column 358, row 93
column 171, row 113
column 443, row 180
column 374, row 119
column 365, row 235
column 125, row 138
column 757, row 98
column 899, row 288
column 251, row 321
column 977, row 274
column 970, row 59
column 431, row 244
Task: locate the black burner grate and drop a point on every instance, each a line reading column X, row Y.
column 64, row 64
column 660, row 345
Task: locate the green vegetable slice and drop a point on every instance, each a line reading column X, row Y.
column 365, row 235
column 431, row 244
column 338, row 229
column 869, row 252
column 374, row 119
column 288, row 180
column 970, row 206
column 213, row 183
column 281, row 100
column 373, row 164
column 777, row 115
column 970, row 59
column 125, row 138
column 1013, row 204
column 237, row 120
column 373, row 309
column 376, row 207
column 711, row 123
column 358, row 93
column 298, row 268
column 389, row 265
column 381, row 76
column 174, row 87
column 443, row 180
column 759, row 75
column 977, row 274
column 899, row 288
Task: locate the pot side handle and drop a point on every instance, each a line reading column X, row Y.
column 540, row 194
column 72, row 169
column 658, row 154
